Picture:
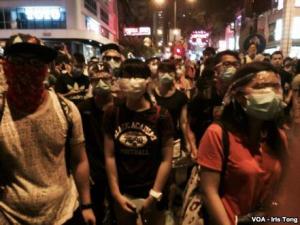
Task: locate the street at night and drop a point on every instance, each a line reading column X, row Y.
column 149, row 112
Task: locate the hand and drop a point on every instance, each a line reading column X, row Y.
column 88, row 216
column 126, row 204
column 148, row 205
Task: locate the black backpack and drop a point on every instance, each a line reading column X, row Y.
column 66, row 110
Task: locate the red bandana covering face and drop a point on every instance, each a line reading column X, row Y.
column 25, row 85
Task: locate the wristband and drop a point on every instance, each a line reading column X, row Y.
column 156, row 195
column 86, row 206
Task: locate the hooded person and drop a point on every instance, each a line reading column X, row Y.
column 38, row 188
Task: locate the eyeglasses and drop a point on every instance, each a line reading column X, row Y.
column 228, row 64
column 115, row 58
column 19, row 60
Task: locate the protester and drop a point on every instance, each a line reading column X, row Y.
column 251, row 53
column 208, row 53
column 73, row 84
column 206, row 106
column 138, row 150
column 182, row 83
column 36, row 187
column 111, row 54
column 92, row 110
column 175, row 101
column 286, row 79
column 247, row 179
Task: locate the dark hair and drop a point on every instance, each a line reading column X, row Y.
column 63, row 58
column 297, row 67
column 209, row 50
column 287, row 59
column 249, row 44
column 79, row 58
column 134, row 68
column 235, row 119
column 167, row 67
column 218, row 57
column 151, row 59
column 276, row 53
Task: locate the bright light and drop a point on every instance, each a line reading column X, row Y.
column 159, row 2
column 278, row 30
column 191, row 1
column 176, row 31
column 280, row 4
column 297, row 3
column 92, row 25
column 170, row 44
column 222, row 45
column 231, row 43
column 43, row 13
column 160, row 32
column 296, row 25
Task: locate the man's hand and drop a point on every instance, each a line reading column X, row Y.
column 126, row 204
column 88, row 216
column 148, row 205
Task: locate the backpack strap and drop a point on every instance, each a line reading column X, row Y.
column 2, row 104
column 67, row 112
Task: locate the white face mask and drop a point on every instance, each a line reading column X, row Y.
column 102, row 88
column 133, row 88
column 264, row 104
column 113, row 64
column 228, row 73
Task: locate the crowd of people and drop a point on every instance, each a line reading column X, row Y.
column 112, row 140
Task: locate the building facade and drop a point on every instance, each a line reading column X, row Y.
column 280, row 26
column 83, row 25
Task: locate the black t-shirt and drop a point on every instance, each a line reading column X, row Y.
column 286, row 78
column 137, row 139
column 200, row 114
column 75, row 87
column 174, row 104
column 92, row 118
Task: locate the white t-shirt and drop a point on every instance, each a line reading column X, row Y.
column 39, row 190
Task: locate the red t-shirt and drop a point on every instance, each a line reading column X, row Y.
column 249, row 179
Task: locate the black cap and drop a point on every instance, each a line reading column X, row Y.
column 26, row 43
column 110, row 46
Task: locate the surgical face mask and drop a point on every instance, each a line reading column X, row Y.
column 166, row 79
column 227, row 74
column 113, row 64
column 113, row 61
column 133, row 88
column 264, row 104
column 102, row 88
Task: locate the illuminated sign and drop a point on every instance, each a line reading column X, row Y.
column 137, row 31
column 43, row 12
column 200, row 38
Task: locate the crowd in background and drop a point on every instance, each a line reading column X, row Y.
column 147, row 124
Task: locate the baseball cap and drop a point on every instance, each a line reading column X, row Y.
column 26, row 43
column 110, row 46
